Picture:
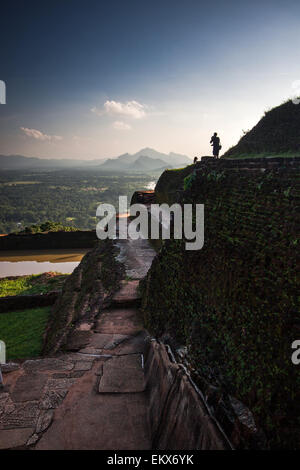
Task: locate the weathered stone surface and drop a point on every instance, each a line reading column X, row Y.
column 159, row 375
column 6, row 404
column 78, row 357
column 83, row 366
column 29, row 387
column 136, row 256
column 107, row 341
column 136, row 343
column 52, row 399
column 244, row 414
column 61, row 375
column 47, row 364
column 56, row 390
column 12, row 438
column 78, row 339
column 77, row 374
column 91, row 421
column 178, row 417
column 24, row 415
column 32, row 440
column 9, row 367
column 123, row 374
column 128, row 292
column 60, row 384
column 122, row 321
column 127, row 295
column 99, row 371
column 44, row 420
column 90, row 353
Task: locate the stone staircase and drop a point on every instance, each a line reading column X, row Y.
column 93, row 398
column 118, row 389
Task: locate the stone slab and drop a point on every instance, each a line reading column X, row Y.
column 128, row 293
column 123, row 321
column 123, row 374
column 29, row 387
column 83, row 366
column 47, row 364
column 12, row 438
column 107, row 341
column 22, row 415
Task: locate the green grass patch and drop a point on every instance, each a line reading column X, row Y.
column 31, row 284
column 22, row 331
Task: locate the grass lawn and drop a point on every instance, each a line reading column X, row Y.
column 32, row 284
column 22, row 331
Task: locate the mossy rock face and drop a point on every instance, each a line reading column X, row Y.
column 235, row 302
column 170, row 184
column 84, row 294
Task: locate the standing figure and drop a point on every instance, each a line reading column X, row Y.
column 215, row 142
column 195, row 160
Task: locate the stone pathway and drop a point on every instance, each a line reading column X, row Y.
column 93, row 398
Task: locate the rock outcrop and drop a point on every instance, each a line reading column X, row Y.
column 235, row 302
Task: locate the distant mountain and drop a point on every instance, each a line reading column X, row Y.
column 145, row 159
column 146, row 164
column 172, row 158
column 19, row 162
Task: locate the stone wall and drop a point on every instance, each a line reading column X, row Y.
column 235, row 303
column 178, row 416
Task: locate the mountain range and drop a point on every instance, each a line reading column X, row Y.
column 146, row 159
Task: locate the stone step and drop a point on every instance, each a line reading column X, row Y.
column 120, row 321
column 123, row 374
column 128, row 295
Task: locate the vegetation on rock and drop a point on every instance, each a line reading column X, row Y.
column 278, row 132
column 235, row 303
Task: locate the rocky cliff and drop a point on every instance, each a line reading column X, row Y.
column 235, row 303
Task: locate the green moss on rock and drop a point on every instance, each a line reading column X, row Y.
column 235, row 303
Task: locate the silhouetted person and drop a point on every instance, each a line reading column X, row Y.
column 215, row 142
column 195, row 160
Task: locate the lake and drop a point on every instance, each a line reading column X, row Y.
column 19, row 263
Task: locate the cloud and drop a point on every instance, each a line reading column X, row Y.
column 132, row 109
column 38, row 135
column 121, row 126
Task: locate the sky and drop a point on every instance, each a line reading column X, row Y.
column 97, row 79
